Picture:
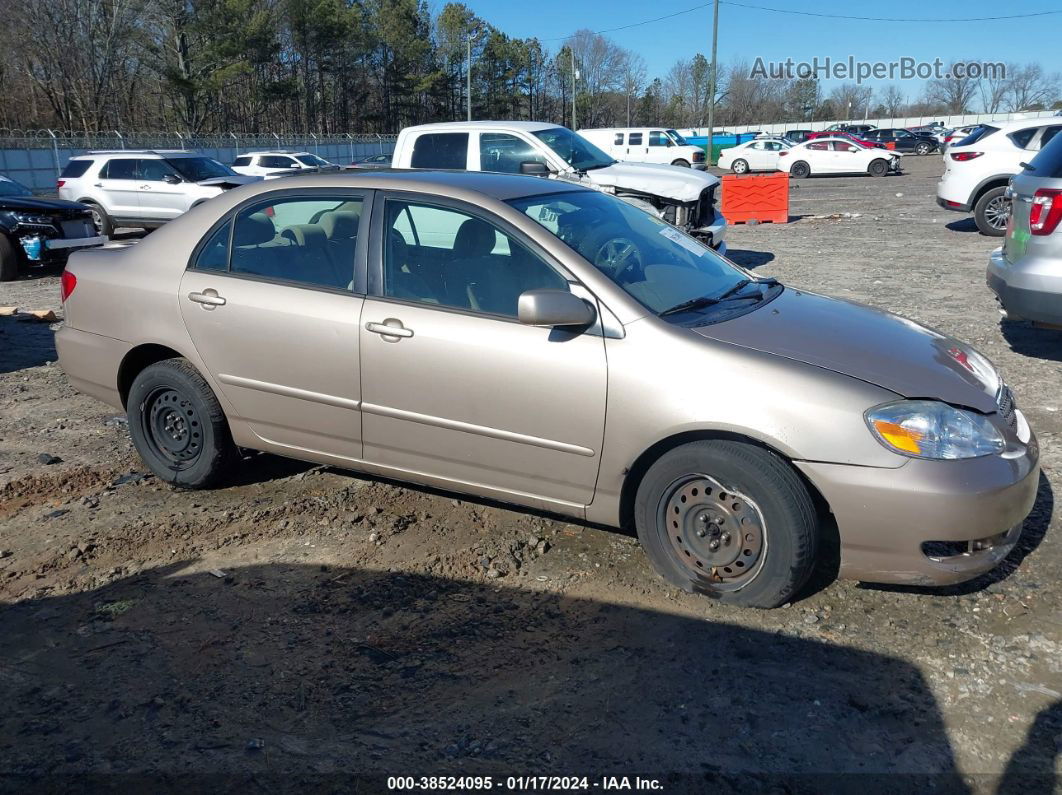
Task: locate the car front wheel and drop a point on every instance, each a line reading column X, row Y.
column 879, row 168
column 178, row 427
column 728, row 520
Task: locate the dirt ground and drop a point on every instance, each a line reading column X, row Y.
column 305, row 625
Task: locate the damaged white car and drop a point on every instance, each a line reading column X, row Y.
column 683, row 197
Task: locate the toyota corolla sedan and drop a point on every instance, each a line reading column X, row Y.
column 553, row 346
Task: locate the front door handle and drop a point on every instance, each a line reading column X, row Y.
column 392, row 327
column 208, row 298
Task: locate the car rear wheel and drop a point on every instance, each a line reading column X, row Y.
column 728, row 520
column 681, row 162
column 178, row 427
column 740, row 167
column 799, row 169
column 100, row 219
column 991, row 212
column 8, row 260
column 878, row 168
column 923, row 149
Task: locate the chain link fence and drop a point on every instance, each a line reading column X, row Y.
column 36, row 157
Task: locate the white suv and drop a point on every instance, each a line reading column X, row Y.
column 979, row 167
column 143, row 188
column 279, row 164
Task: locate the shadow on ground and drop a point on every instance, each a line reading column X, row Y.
column 1030, row 340
column 747, row 258
column 963, row 225
column 278, row 674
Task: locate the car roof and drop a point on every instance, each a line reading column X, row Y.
column 529, row 126
column 137, row 153
column 467, row 185
column 274, row 152
column 1022, row 124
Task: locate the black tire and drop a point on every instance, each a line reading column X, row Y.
column 878, row 168
column 990, row 212
column 799, row 170
column 8, row 260
column 681, row 162
column 178, row 426
column 103, row 223
column 776, row 544
column 740, row 166
column 923, row 148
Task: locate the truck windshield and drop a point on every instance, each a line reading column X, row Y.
column 664, row 269
column 573, row 149
column 678, row 139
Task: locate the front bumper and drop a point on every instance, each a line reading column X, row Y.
column 714, row 234
column 1029, row 289
column 893, row 523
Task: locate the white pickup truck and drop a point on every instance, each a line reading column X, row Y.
column 683, row 197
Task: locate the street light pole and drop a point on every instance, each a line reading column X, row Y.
column 572, row 49
column 711, row 82
column 468, row 77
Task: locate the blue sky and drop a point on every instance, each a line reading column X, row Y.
column 748, row 33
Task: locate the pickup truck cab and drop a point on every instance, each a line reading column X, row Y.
column 682, row 197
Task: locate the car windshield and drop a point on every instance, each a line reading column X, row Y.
column 573, row 149
column 678, row 139
column 9, row 187
column 195, row 169
column 655, row 263
column 311, row 160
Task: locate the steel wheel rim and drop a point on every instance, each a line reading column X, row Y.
column 715, row 532
column 996, row 212
column 740, row 167
column 617, row 254
column 97, row 220
column 172, row 427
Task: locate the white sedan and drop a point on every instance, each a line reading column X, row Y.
column 837, row 156
column 758, row 155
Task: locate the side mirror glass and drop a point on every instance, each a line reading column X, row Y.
column 534, row 168
column 548, row 307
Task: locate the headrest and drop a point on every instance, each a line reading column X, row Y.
column 340, row 224
column 399, row 249
column 475, row 238
column 309, row 235
column 254, row 229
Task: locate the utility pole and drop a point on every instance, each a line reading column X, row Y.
column 468, row 77
column 572, row 50
column 711, row 82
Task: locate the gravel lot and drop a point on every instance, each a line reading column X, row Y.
column 309, row 622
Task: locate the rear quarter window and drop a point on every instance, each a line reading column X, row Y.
column 242, row 161
column 1021, row 138
column 76, row 168
column 440, row 150
column 1048, row 162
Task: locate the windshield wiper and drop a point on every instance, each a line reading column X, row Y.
column 729, row 293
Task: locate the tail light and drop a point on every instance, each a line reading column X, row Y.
column 1046, row 211
column 67, row 283
column 961, row 156
column 59, row 183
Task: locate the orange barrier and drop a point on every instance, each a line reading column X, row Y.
column 890, row 145
column 756, row 197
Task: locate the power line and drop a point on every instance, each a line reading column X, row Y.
column 816, row 14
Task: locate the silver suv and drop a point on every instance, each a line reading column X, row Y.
column 1026, row 273
column 143, row 188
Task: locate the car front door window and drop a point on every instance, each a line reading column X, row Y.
column 505, row 153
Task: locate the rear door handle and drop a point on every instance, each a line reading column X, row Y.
column 390, row 328
column 208, row 298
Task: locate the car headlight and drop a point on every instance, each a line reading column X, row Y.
column 33, row 220
column 931, row 429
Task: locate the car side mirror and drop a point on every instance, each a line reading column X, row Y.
column 853, row 149
column 548, row 307
column 172, row 179
column 534, row 168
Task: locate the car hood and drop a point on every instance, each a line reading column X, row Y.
column 33, row 204
column 228, row 182
column 869, row 344
column 672, row 182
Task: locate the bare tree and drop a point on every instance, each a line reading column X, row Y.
column 893, row 101
column 633, row 74
column 1028, row 86
column 952, row 92
column 851, row 100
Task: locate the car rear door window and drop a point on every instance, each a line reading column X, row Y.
column 75, row 169
column 440, row 150
column 214, row 253
column 819, row 146
column 445, row 257
column 307, row 240
column 120, row 168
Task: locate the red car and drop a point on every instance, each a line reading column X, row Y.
column 853, row 138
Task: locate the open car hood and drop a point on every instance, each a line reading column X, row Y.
column 866, row 343
column 671, row 182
